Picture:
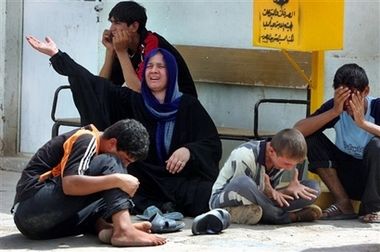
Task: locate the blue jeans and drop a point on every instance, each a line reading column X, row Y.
column 51, row 214
column 243, row 190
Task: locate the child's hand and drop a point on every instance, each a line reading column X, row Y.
column 107, row 39
column 357, row 107
column 341, row 94
column 120, row 41
column 281, row 198
column 128, row 183
column 296, row 189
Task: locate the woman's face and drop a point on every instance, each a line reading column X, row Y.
column 156, row 73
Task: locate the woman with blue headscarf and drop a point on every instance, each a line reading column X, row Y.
column 185, row 148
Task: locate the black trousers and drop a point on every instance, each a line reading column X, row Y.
column 359, row 177
column 52, row 214
column 188, row 195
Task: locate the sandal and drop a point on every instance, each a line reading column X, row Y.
column 152, row 210
column 161, row 224
column 308, row 214
column 373, row 217
column 212, row 222
column 333, row 212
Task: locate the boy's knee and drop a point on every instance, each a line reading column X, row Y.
column 373, row 146
column 106, row 164
column 104, row 159
column 315, row 140
column 242, row 183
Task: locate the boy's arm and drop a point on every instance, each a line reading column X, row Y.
column 312, row 124
column 371, row 128
column 106, row 70
column 74, row 180
column 78, row 185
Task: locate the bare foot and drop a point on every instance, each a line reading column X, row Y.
column 135, row 237
column 143, row 226
column 102, row 224
column 345, row 206
column 105, row 234
column 371, row 217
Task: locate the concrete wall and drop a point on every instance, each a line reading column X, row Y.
column 212, row 23
column 2, row 73
column 10, row 80
column 228, row 24
column 361, row 43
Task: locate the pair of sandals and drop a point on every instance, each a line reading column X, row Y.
column 211, row 222
column 162, row 222
column 333, row 212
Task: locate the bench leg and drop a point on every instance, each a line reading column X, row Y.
column 54, row 129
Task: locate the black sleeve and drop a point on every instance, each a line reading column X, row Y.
column 97, row 99
column 81, row 153
column 375, row 110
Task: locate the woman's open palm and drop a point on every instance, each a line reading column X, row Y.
column 47, row 47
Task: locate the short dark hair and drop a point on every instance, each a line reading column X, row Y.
column 352, row 76
column 290, row 143
column 132, row 138
column 129, row 12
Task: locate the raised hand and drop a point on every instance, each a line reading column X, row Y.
column 358, row 108
column 120, row 41
column 47, row 47
column 107, row 40
column 341, row 94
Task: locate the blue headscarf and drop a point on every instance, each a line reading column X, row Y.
column 164, row 113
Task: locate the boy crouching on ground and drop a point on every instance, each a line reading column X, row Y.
column 246, row 185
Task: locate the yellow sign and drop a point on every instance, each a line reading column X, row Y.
column 303, row 25
column 278, row 26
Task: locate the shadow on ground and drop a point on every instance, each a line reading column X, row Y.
column 348, row 248
column 18, row 241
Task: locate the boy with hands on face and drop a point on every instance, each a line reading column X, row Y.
column 350, row 167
